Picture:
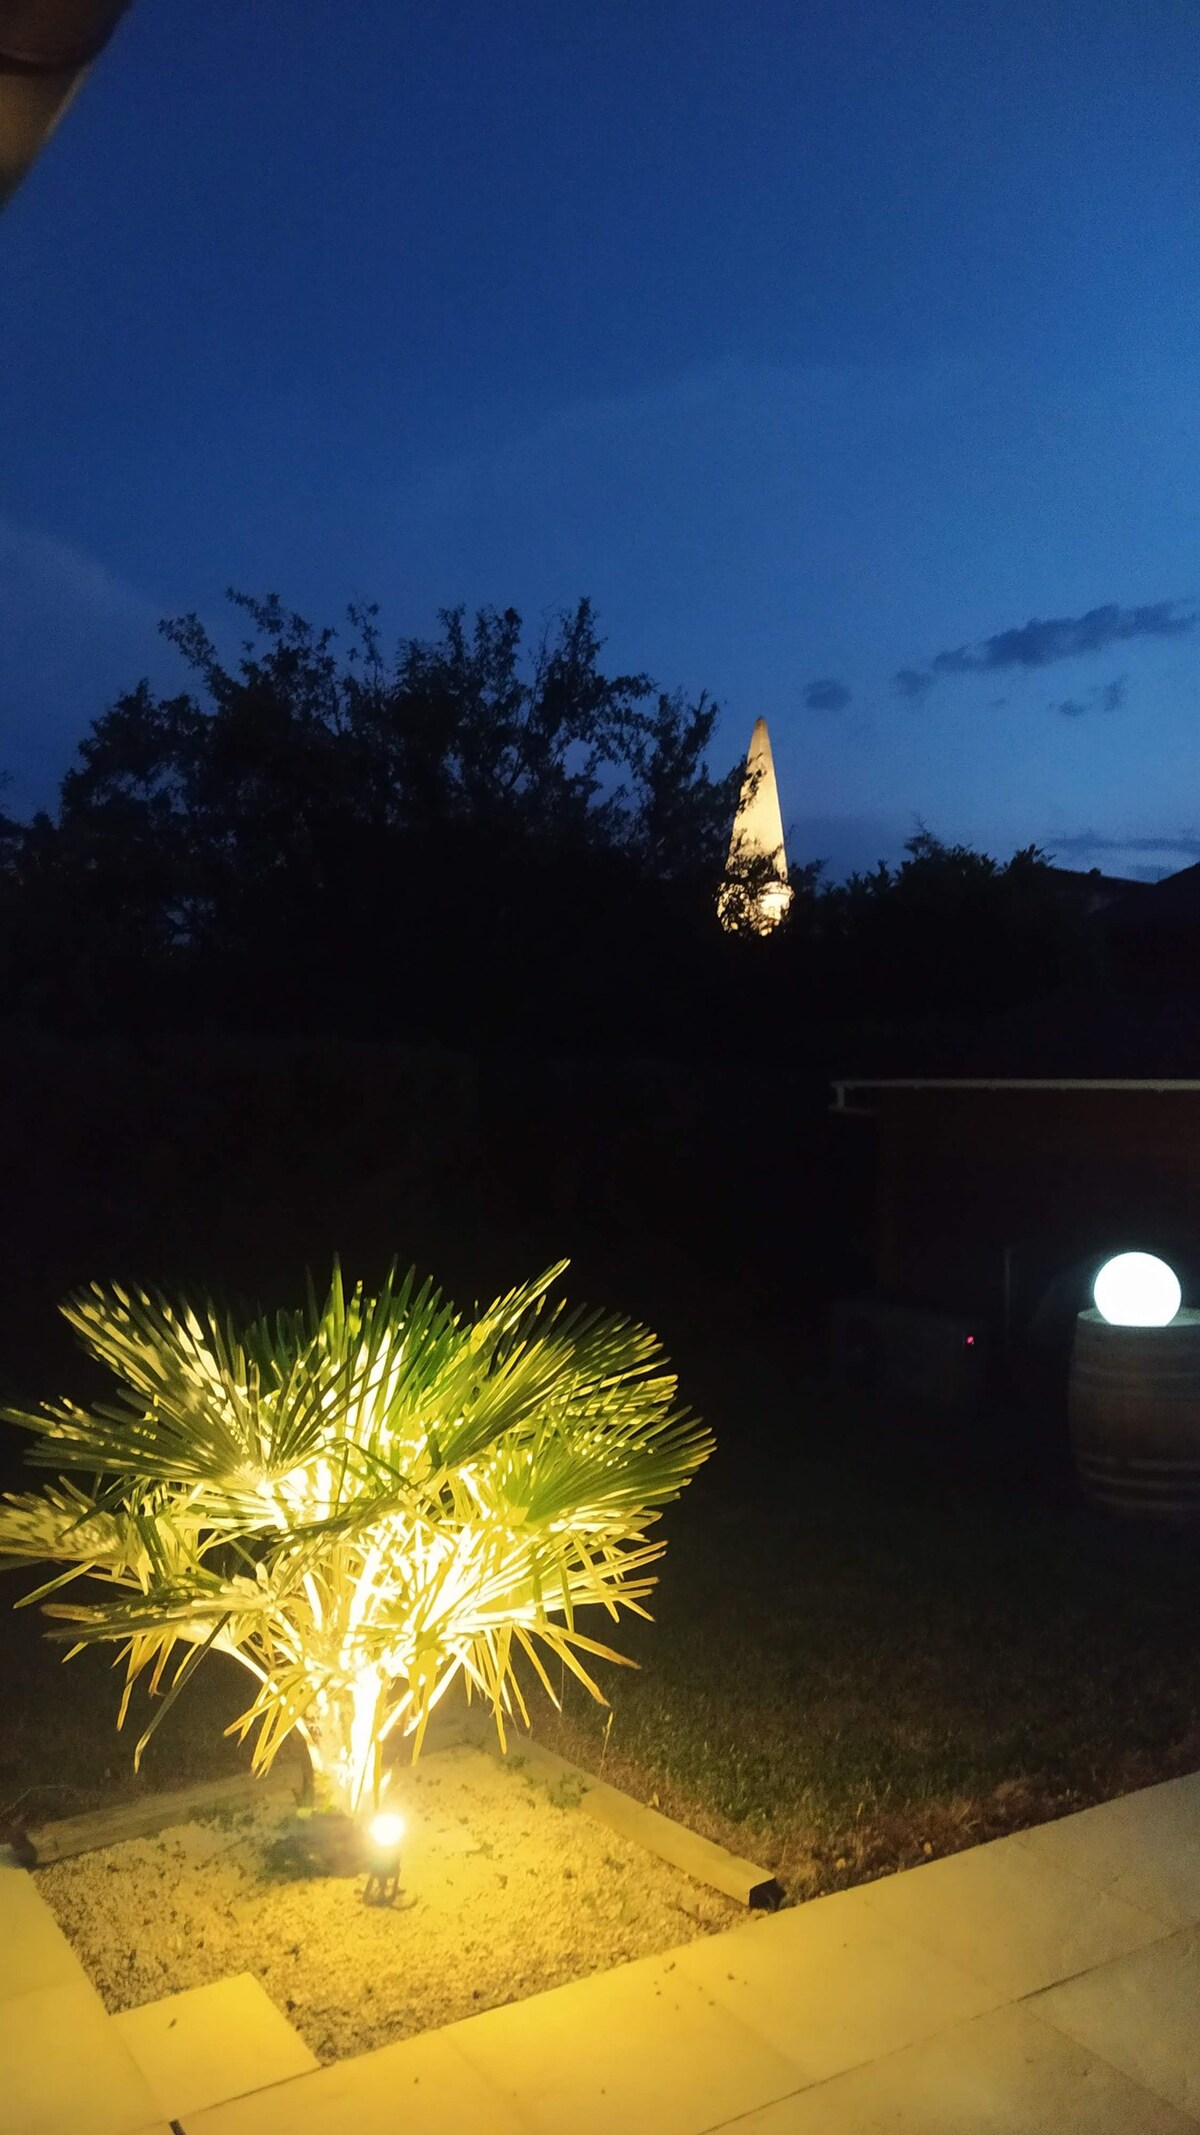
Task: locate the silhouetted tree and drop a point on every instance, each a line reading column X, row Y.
column 319, row 832
column 456, row 842
column 252, row 774
column 951, row 932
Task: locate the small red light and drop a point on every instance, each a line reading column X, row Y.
column 970, row 1341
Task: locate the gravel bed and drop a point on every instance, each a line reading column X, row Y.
column 507, row 1888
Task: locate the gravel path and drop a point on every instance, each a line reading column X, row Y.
column 505, row 1891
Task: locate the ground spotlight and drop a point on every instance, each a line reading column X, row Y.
column 385, row 1834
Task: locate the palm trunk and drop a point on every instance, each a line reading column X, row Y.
column 341, row 1732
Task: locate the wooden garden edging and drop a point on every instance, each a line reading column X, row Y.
column 709, row 1863
column 149, row 1813
column 743, row 1881
column 146, row 1815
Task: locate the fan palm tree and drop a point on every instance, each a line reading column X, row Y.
column 360, row 1501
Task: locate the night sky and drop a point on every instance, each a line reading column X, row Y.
column 847, row 356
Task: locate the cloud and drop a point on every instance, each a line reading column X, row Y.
column 1064, row 637
column 74, row 635
column 1039, row 644
column 1108, row 699
column 827, row 696
column 913, row 683
column 1144, row 859
column 958, row 662
column 1092, row 841
column 33, row 562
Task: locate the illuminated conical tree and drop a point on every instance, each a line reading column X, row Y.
column 756, row 892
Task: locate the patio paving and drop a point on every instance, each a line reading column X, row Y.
column 212, row 2043
column 1144, row 1847
column 1142, row 2013
column 64, row 2068
column 1005, row 2073
column 1013, row 1917
column 1045, row 1984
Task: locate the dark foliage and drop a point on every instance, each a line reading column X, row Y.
column 950, row 933
column 435, row 844
column 457, row 844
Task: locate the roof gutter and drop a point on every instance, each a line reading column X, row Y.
column 46, row 47
column 1004, row 1082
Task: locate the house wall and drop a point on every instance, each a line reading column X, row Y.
column 1055, row 1176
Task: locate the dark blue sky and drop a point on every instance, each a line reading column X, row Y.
column 812, row 342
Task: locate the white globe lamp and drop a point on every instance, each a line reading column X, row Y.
column 1137, row 1290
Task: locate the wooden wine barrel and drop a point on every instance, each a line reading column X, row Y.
column 1133, row 1406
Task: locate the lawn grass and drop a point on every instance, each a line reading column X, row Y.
column 868, row 1647
column 873, row 1645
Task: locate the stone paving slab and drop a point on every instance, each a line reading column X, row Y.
column 1002, row 2074
column 1142, row 2013
column 34, row 1952
column 65, row 2071
column 422, row 2086
column 211, row 2043
column 1040, row 1985
column 643, row 2049
column 1144, row 1847
column 829, row 1985
column 1011, row 1917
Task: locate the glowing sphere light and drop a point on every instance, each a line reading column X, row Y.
column 1137, row 1290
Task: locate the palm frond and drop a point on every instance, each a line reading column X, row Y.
column 362, row 1501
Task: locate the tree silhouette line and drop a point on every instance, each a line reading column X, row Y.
column 458, row 842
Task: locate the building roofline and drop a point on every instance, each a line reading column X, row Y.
column 1011, row 1082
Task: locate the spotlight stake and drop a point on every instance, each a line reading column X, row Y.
column 384, row 1835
